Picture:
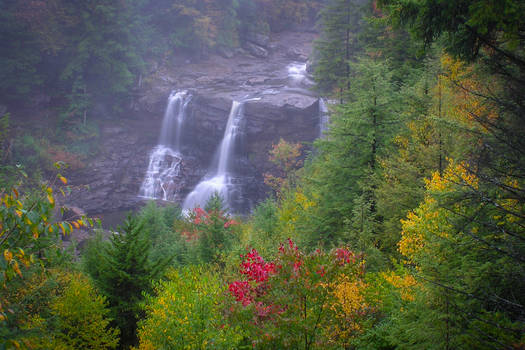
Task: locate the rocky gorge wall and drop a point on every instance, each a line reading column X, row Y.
column 285, row 109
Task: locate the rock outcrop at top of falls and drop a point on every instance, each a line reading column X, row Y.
column 113, row 179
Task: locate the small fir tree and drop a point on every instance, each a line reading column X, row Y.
column 123, row 271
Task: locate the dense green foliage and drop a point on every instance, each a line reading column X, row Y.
column 342, row 21
column 404, row 229
column 77, row 319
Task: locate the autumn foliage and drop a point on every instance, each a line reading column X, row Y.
column 299, row 299
column 286, row 157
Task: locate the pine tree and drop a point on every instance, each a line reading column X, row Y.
column 360, row 134
column 122, row 271
column 214, row 236
column 341, row 21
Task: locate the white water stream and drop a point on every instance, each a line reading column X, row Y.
column 324, row 117
column 219, row 181
column 165, row 159
column 220, row 177
column 298, row 75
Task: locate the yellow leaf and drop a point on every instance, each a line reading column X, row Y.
column 17, row 269
column 35, row 232
column 50, row 199
column 19, row 213
column 63, row 179
column 8, row 256
column 62, row 228
column 77, row 226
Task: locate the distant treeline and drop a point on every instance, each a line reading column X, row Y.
column 82, row 51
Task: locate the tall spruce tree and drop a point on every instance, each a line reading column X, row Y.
column 122, row 270
column 344, row 170
column 340, row 21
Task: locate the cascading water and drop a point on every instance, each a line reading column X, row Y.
column 299, row 80
column 298, row 75
column 173, row 119
column 165, row 159
column 220, row 179
column 323, row 117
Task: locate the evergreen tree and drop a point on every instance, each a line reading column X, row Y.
column 18, row 58
column 214, row 236
column 360, row 133
column 475, row 272
column 341, row 21
column 158, row 223
column 123, row 271
column 471, row 279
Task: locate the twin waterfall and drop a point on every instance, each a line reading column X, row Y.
column 166, row 158
column 162, row 180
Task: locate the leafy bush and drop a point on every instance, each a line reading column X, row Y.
column 310, row 301
column 186, row 313
column 29, row 242
column 210, row 230
column 76, row 317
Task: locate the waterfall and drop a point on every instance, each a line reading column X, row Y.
column 165, row 159
column 170, row 132
column 324, row 117
column 164, row 166
column 298, row 75
column 220, row 179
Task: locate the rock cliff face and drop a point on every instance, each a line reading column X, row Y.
column 285, row 109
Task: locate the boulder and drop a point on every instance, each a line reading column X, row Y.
column 296, row 54
column 153, row 101
column 258, row 39
column 256, row 50
column 256, row 81
column 225, row 52
column 310, row 67
column 272, row 47
column 240, row 51
column 72, row 213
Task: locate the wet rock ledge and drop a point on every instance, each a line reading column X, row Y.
column 112, row 179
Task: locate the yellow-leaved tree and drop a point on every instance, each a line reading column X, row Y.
column 78, row 317
column 464, row 253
